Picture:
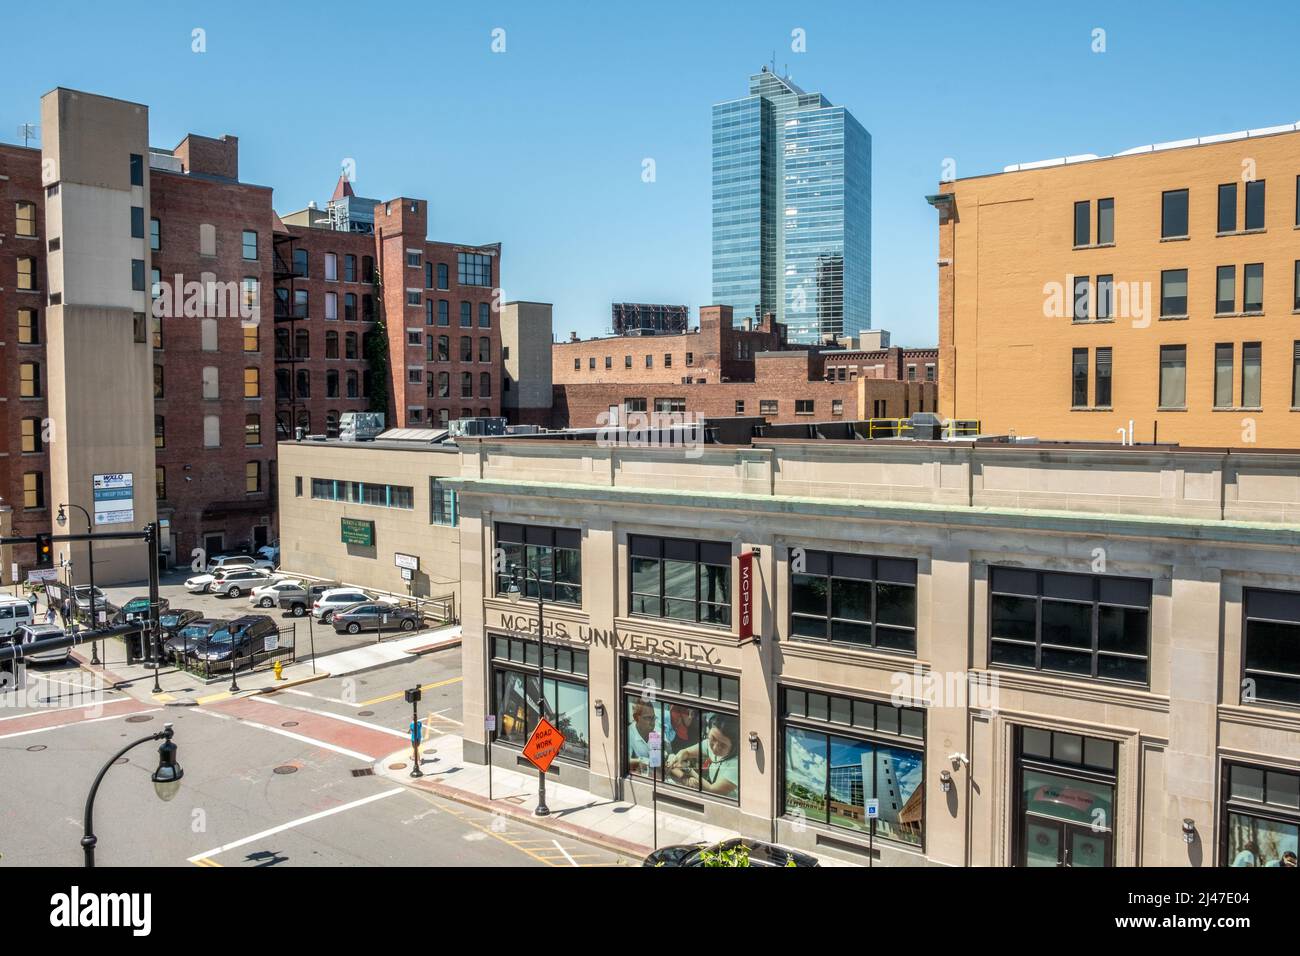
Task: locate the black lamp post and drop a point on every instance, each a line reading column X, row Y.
column 62, row 519
column 516, row 572
column 166, row 781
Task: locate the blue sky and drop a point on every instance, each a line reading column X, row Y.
column 541, row 146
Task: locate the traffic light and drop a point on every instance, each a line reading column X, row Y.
column 44, row 551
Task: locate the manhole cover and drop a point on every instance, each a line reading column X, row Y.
column 36, row 748
column 285, row 769
column 364, row 772
column 290, row 723
column 397, row 766
column 119, row 761
column 139, row 719
column 365, row 713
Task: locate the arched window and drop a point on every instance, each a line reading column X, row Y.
column 444, row 349
column 350, row 345
column 352, row 386
column 282, row 344
column 466, row 349
column 332, row 384
column 484, row 349
column 304, row 383
column 485, row 385
column 331, row 345
column 283, row 384
column 301, row 344
column 466, row 385
column 444, row 385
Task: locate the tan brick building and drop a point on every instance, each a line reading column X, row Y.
column 1159, row 286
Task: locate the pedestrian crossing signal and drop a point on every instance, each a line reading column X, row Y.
column 44, row 551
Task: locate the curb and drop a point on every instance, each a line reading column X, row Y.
column 430, row 648
column 613, row 844
column 283, row 685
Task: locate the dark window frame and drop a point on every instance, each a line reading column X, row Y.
column 1247, row 670
column 871, row 564
column 511, row 537
column 723, row 610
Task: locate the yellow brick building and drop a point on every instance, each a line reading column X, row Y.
column 1159, row 286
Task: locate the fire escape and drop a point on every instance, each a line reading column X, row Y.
column 285, row 273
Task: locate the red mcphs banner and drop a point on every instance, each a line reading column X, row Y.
column 747, row 594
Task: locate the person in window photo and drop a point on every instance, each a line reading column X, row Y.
column 712, row 765
column 683, row 729
column 645, row 720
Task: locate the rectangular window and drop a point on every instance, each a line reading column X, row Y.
column 768, row 406
column 634, row 404
column 137, row 275
column 159, row 431
column 158, row 381
column 1101, row 396
column 1105, row 222
column 696, row 716
column 349, row 268
column 160, row 483
column 1227, row 208
column 1173, row 376
column 443, row 276
column 1295, row 374
column 363, row 493
column 1082, row 624
column 1252, row 293
column 690, row 359
column 252, row 382
column 444, row 312
column 249, row 243
column 854, row 599
column 29, row 332
column 1082, row 213
column 1250, row 375
column 1296, row 294
column 155, row 235
column 473, row 269
column 1225, row 295
column 1223, row 362
column 31, row 436
column 466, row 315
column 442, row 503
column 413, row 297
column 1255, row 204
column 29, row 380
column 839, row 752
column 627, row 361
column 670, row 406
column 1105, row 308
column 1079, row 379
column 33, row 489
column 680, row 579
column 1173, row 214
column 252, row 477
column 668, row 360
column 484, row 315
column 740, row 406
column 331, row 306
column 137, row 169
column 137, row 222
column 252, row 430
column 532, row 555
column 564, row 690
column 1271, row 652
column 1261, row 816
column 25, row 219
column 1173, row 293
column 649, row 361
column 1080, row 305
column 331, row 267
column 803, row 406
column 27, row 279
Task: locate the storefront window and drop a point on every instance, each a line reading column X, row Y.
column 551, row 555
column 700, row 745
column 1262, row 818
column 1066, row 799
column 828, row 777
column 853, row 599
column 681, row 580
column 515, row 694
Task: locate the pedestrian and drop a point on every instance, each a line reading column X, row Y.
column 31, row 602
column 49, row 614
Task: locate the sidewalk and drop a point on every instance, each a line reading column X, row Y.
column 617, row 826
column 391, row 650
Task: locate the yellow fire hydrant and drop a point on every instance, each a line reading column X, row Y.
column 279, row 671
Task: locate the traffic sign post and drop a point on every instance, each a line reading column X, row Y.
column 656, row 742
column 544, row 745
column 413, row 698
column 873, row 814
column 489, row 725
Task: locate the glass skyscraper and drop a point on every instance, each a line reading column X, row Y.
column 792, row 210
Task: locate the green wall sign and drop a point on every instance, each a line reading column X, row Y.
column 358, row 532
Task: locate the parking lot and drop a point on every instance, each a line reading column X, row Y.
column 308, row 634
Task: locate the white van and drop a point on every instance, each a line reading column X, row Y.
column 14, row 613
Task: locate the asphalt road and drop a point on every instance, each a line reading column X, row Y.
column 269, row 781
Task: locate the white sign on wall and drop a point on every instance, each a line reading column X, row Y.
column 114, row 499
column 410, row 562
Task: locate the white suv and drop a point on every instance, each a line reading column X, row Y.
column 239, row 581
column 223, row 562
column 268, row 595
column 336, row 599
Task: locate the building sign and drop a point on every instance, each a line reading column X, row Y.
column 114, row 499
column 356, row 531
column 543, row 745
column 43, row 574
column 746, row 594
column 408, row 562
column 667, row 648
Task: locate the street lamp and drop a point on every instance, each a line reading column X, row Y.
column 514, row 592
column 166, row 782
column 62, row 519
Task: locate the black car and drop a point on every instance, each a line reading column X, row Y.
column 138, row 607
column 244, row 636
column 187, row 638
column 174, row 618
column 760, row 854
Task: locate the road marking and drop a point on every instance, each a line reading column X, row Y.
column 326, row 713
column 204, row 861
column 72, row 723
column 572, row 861
column 212, row 697
column 296, row 823
column 365, row 758
column 164, row 698
column 401, row 693
column 304, row 693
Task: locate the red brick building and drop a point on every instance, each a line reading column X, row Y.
column 226, row 387
column 720, row 370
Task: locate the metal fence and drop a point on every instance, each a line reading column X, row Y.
column 285, row 649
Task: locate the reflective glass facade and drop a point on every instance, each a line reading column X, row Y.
column 792, row 210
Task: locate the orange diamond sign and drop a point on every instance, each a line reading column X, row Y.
column 544, row 745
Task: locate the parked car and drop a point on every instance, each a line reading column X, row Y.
column 239, row 581
column 760, row 854
column 30, row 633
column 268, row 595
column 174, row 618
column 298, row 600
column 244, row 636
column 336, row 599
column 270, row 552
column 103, row 606
column 138, row 607
column 225, row 561
column 185, row 640
column 14, row 613
column 375, row 616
